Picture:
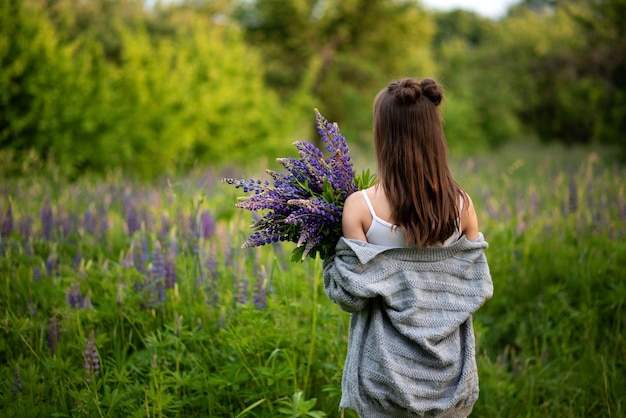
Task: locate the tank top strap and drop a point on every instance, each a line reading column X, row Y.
column 369, row 204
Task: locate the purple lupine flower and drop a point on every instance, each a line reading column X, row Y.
column 170, row 264
column 132, row 218
column 144, row 255
column 213, row 274
column 151, row 288
column 260, row 289
column 74, row 296
column 207, row 224
column 17, row 381
column 7, row 222
column 91, row 360
column 52, row 265
column 304, row 205
column 158, row 262
column 330, row 134
column 54, row 334
column 242, row 288
column 26, row 227
column 47, row 220
column 67, row 223
column 36, row 273
column 78, row 259
column 342, row 178
column 207, row 273
column 103, row 219
column 28, row 248
column 154, row 292
column 90, row 222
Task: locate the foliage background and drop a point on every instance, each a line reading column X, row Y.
column 156, row 90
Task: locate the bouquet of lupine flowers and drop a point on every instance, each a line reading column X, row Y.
column 304, row 205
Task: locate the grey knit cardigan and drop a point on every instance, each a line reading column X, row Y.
column 411, row 347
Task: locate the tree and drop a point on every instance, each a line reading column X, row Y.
column 339, row 52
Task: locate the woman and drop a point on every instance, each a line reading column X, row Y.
column 410, row 269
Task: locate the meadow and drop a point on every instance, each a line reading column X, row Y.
column 126, row 300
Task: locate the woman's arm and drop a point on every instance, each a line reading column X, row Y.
column 352, row 218
column 469, row 220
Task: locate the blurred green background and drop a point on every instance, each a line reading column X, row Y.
column 91, row 85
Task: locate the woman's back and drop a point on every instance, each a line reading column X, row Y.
column 367, row 217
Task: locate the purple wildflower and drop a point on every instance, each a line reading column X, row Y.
column 90, row 222
column 158, row 262
column 170, row 264
column 242, row 284
column 26, row 227
column 154, row 291
column 67, row 224
column 144, row 255
column 304, row 205
column 74, row 296
column 103, row 219
column 132, row 218
column 17, row 381
column 52, row 265
column 47, row 220
column 78, row 259
column 54, row 334
column 330, row 134
column 7, row 222
column 260, row 289
column 208, row 274
column 207, row 224
column 36, row 273
column 91, row 361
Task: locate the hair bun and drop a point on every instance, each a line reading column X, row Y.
column 406, row 91
column 432, row 90
column 409, row 90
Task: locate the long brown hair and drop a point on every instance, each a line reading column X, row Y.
column 412, row 161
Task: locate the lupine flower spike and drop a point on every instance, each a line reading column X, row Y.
column 7, row 222
column 304, row 205
column 91, row 360
column 17, row 381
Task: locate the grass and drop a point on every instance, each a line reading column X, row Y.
column 186, row 324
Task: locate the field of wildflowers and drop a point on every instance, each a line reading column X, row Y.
column 120, row 299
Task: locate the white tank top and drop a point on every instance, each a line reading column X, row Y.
column 386, row 234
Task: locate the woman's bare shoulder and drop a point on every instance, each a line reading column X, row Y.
column 469, row 220
column 354, row 209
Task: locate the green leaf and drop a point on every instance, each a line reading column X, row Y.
column 365, row 179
